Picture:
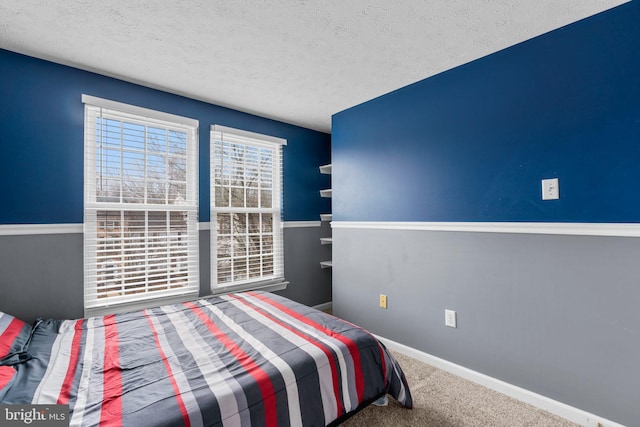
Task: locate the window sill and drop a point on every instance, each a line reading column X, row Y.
column 267, row 287
column 139, row 305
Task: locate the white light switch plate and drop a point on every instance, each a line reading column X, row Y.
column 550, row 189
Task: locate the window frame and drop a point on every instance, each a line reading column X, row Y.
column 272, row 282
column 98, row 107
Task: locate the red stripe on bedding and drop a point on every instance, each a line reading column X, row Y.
column 325, row 349
column 65, row 390
column 6, row 374
column 174, row 384
column 352, row 346
column 251, row 367
column 111, row 413
column 9, row 335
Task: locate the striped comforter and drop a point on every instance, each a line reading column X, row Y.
column 245, row 359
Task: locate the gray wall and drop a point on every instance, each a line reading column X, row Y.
column 308, row 283
column 556, row 315
column 42, row 275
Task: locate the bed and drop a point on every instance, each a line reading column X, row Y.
column 239, row 359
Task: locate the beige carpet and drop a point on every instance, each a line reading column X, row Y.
column 441, row 399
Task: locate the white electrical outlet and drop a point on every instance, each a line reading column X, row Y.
column 450, row 318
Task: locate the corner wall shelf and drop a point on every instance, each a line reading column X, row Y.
column 326, row 170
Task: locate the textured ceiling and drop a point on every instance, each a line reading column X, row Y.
column 296, row 61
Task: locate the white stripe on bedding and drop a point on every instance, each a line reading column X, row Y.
column 209, row 365
column 323, row 366
column 83, row 388
column 5, row 321
column 51, row 383
column 295, row 416
column 350, row 396
column 190, row 403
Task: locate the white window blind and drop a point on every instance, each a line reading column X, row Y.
column 246, row 208
column 141, row 207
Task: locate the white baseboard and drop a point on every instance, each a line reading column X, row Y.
column 327, row 306
column 560, row 409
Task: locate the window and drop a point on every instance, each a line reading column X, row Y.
column 140, row 217
column 246, row 208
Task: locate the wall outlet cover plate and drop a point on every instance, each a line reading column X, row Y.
column 383, row 301
column 450, row 318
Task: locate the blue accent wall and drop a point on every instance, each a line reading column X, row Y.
column 42, row 131
column 474, row 143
